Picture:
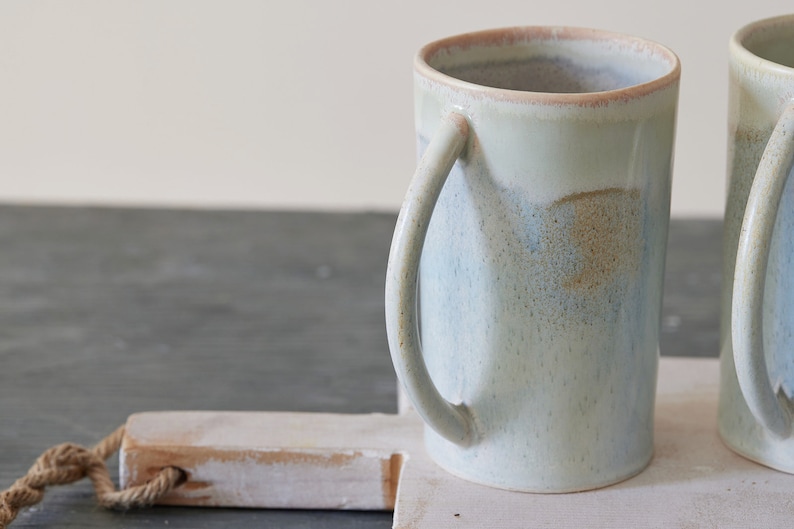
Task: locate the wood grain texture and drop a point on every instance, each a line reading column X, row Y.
column 293, row 460
column 109, row 312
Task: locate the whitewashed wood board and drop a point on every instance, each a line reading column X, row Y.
column 376, row 462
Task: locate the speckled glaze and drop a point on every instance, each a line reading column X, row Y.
column 539, row 212
column 757, row 371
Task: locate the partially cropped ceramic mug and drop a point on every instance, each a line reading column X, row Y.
column 757, row 351
column 534, row 230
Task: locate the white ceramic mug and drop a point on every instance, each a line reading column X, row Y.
column 539, row 211
column 757, row 360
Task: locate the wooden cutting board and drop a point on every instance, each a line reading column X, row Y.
column 377, row 462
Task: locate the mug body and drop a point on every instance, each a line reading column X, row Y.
column 761, row 85
column 541, row 273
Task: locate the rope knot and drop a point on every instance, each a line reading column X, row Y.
column 61, row 465
column 67, row 463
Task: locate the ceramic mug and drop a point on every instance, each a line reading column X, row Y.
column 757, row 362
column 539, row 212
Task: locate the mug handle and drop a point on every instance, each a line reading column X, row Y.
column 770, row 406
column 451, row 421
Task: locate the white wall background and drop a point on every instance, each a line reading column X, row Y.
column 299, row 104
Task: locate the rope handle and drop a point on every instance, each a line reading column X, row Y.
column 67, row 463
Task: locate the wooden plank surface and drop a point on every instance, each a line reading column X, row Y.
column 377, row 461
column 109, row 312
column 273, row 460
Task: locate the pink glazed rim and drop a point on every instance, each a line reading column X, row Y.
column 739, row 41
column 514, row 35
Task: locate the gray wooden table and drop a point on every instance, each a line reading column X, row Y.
column 106, row 312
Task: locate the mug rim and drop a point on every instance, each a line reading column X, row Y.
column 550, row 33
column 740, row 51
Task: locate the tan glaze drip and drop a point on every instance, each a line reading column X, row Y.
column 607, row 227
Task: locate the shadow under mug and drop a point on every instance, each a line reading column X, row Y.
column 524, row 283
column 757, row 361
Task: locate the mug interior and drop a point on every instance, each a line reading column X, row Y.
column 550, row 60
column 771, row 40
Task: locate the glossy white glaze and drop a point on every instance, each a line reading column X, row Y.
column 542, row 261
